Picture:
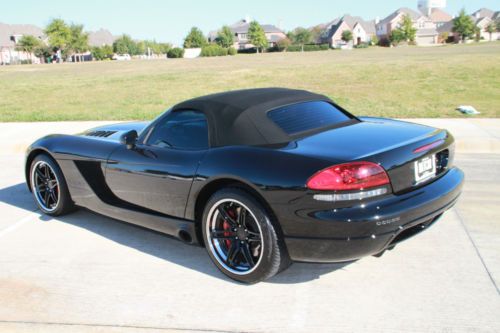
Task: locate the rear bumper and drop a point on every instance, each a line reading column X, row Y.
column 364, row 229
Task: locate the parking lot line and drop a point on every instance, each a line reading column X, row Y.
column 459, row 217
column 19, row 223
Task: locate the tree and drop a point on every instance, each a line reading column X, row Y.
column 195, row 39
column 491, row 28
column 396, row 37
column 43, row 52
column 302, row 36
column 477, row 33
column 125, row 45
column 257, row 36
column 140, row 47
column 103, row 52
column 175, row 52
column 225, row 37
column 78, row 41
column 164, row 47
column 347, row 36
column 316, row 34
column 59, row 34
column 28, row 44
column 153, row 46
column 283, row 44
column 406, row 30
column 463, row 25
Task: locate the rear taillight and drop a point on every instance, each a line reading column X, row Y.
column 349, row 177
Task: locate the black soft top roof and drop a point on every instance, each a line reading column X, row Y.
column 240, row 117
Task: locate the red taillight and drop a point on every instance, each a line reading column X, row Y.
column 349, row 176
column 428, row 147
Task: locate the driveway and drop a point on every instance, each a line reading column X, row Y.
column 88, row 273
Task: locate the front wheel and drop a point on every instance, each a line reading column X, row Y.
column 240, row 237
column 49, row 187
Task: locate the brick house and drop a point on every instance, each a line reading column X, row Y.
column 426, row 28
column 362, row 31
column 240, row 31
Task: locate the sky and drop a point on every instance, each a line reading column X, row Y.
column 169, row 21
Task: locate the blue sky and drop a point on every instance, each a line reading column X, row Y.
column 169, row 20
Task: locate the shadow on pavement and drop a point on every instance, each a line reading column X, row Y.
column 153, row 243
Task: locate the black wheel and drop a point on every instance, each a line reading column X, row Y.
column 241, row 238
column 49, row 187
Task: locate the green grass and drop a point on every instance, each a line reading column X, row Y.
column 400, row 82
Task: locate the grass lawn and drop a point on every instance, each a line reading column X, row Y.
column 400, row 82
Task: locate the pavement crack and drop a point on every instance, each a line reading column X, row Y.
column 462, row 222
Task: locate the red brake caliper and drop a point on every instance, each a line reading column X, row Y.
column 227, row 228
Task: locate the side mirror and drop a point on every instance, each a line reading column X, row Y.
column 129, row 139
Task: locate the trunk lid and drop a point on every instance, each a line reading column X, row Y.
column 390, row 143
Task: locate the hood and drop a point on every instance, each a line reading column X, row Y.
column 114, row 131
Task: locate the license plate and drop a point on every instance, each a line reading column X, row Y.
column 425, row 168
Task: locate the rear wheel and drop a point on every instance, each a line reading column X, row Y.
column 49, row 187
column 240, row 237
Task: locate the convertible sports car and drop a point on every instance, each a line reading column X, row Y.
column 260, row 177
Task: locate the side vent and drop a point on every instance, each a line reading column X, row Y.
column 101, row 134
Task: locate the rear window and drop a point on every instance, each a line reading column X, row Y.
column 307, row 116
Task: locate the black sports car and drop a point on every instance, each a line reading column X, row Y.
column 260, row 177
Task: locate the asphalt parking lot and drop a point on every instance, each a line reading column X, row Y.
column 85, row 272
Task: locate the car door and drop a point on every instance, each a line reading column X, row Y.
column 157, row 174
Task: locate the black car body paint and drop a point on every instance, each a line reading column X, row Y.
column 160, row 188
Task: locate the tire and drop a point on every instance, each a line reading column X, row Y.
column 233, row 221
column 59, row 200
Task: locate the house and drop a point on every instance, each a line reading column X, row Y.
column 439, row 16
column 362, row 31
column 482, row 19
column 426, row 28
column 240, row 31
column 10, row 34
column 101, row 37
column 485, row 12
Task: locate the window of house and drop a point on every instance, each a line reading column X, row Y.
column 185, row 129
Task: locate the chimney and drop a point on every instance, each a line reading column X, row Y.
column 377, row 20
column 247, row 18
column 478, row 14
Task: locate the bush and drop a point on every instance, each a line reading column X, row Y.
column 374, row 40
column 307, row 48
column 283, row 44
column 361, row 46
column 384, row 42
column 443, row 37
column 102, row 53
column 175, row 52
column 213, row 50
column 232, row 51
column 294, row 48
column 248, row 51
